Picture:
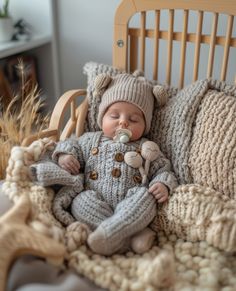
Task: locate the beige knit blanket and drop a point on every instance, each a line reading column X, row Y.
column 196, row 237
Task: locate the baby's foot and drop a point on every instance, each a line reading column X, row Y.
column 143, row 240
column 97, row 241
column 101, row 243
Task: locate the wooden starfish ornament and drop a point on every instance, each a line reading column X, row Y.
column 17, row 238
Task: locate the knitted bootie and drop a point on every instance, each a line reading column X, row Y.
column 61, row 204
column 97, row 242
column 143, row 240
column 48, row 173
column 131, row 215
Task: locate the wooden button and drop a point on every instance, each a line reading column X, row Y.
column 137, row 179
column 93, row 175
column 119, row 157
column 94, row 151
column 116, row 173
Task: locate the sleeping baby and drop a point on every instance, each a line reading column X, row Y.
column 114, row 177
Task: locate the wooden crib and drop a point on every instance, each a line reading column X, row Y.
column 150, row 45
column 130, row 51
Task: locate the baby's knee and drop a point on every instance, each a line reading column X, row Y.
column 80, row 205
column 136, row 191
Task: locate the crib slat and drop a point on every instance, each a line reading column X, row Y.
column 68, row 129
column 81, row 112
column 133, row 53
column 72, row 110
column 170, row 45
column 120, row 46
column 156, row 44
column 62, row 105
column 197, row 45
column 183, row 49
column 212, row 45
column 227, row 47
column 142, row 45
column 191, row 37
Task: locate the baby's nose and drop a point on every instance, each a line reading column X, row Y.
column 124, row 123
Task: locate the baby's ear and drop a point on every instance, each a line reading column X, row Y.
column 101, row 82
column 161, row 95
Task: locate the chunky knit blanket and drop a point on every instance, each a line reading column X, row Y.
column 197, row 227
column 196, row 237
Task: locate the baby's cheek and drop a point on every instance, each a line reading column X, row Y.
column 136, row 133
column 108, row 130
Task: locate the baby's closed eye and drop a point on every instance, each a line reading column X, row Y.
column 134, row 118
column 114, row 115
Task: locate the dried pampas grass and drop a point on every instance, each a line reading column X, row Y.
column 22, row 117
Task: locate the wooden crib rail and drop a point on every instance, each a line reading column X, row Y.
column 61, row 125
column 129, row 47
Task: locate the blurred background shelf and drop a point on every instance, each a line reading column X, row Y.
column 15, row 47
column 42, row 46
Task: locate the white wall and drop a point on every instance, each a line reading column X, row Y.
column 38, row 14
column 85, row 34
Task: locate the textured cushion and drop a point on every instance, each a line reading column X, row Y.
column 197, row 132
column 172, row 127
column 212, row 155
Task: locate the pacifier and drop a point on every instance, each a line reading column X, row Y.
column 122, row 135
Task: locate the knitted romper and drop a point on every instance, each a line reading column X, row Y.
column 114, row 195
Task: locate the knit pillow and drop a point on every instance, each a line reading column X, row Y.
column 212, row 155
column 196, row 130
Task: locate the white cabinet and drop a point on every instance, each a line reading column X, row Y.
column 41, row 15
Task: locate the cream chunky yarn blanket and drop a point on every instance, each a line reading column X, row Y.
column 196, row 247
column 192, row 229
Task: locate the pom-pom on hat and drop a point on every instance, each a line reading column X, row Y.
column 134, row 89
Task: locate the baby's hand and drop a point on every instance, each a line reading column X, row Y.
column 159, row 191
column 69, row 163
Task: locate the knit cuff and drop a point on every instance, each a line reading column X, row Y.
column 63, row 149
column 167, row 179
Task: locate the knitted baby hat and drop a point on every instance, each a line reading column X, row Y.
column 134, row 89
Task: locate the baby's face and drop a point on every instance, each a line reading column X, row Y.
column 123, row 115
